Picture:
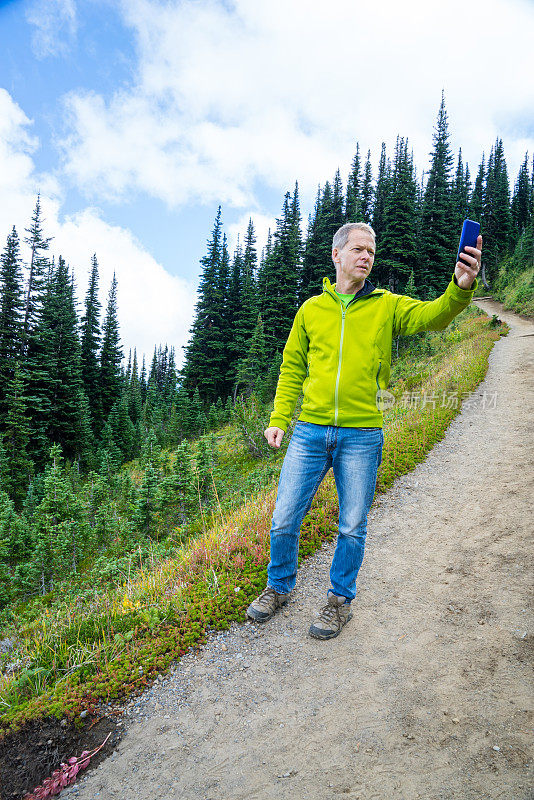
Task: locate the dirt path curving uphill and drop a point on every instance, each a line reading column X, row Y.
column 428, row 691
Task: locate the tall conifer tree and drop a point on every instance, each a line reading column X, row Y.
column 398, row 244
column 367, row 191
column 281, row 269
column 496, row 217
column 476, row 202
column 312, row 268
column 15, row 440
column 90, row 344
column 522, row 200
column 353, row 201
column 249, row 300
column 338, row 204
column 38, row 269
column 110, row 355
column 205, row 367
column 460, row 193
column 11, row 315
column 381, row 195
column 436, row 257
column 69, row 422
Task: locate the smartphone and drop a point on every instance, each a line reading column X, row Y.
column 470, row 233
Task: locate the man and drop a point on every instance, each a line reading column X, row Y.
column 338, row 354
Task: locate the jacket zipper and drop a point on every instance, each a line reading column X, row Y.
column 343, row 311
column 336, row 394
column 377, row 374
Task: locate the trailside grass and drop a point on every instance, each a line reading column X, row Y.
column 72, row 654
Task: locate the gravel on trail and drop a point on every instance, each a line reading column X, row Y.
column 427, row 692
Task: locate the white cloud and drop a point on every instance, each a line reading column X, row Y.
column 262, row 224
column 154, row 307
column 272, row 91
column 19, row 184
column 55, row 26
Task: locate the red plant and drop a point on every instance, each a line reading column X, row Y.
column 65, row 775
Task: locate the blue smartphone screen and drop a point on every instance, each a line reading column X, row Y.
column 470, row 233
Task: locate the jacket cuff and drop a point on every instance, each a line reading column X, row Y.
column 277, row 421
column 461, row 294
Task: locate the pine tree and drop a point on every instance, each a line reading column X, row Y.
column 90, row 343
column 110, row 355
column 266, row 386
column 171, row 378
column 150, row 450
column 410, row 289
column 226, row 326
column 353, row 200
column 110, row 455
column 69, row 424
column 234, row 302
column 317, row 258
column 398, row 245
column 128, row 374
column 338, row 215
column 142, row 380
column 263, row 269
column 11, row 314
column 460, row 193
column 381, row 196
column 476, row 203
column 205, row 460
column 176, row 497
column 144, row 517
column 19, row 467
column 522, row 201
column 61, row 532
column 122, row 429
column 496, row 217
column 253, row 366
column 133, row 393
column 16, row 546
column 205, row 365
column 37, row 272
column 313, row 268
column 436, row 257
column 55, row 399
column 244, row 290
column 367, row 191
column 280, row 301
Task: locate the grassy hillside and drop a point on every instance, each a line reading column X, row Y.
column 124, row 617
column 515, row 281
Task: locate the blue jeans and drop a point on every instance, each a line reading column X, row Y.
column 355, row 455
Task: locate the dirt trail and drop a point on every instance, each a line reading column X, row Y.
column 428, row 691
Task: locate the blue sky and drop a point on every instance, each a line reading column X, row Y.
column 136, row 119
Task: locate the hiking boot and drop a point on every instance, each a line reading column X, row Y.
column 332, row 617
column 264, row 606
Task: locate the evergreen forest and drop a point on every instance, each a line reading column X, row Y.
column 74, row 410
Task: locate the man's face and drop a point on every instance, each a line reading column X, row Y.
column 355, row 261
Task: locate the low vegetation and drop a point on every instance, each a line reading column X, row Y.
column 110, row 629
column 515, row 280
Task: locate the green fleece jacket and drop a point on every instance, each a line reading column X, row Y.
column 341, row 357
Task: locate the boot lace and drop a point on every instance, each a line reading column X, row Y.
column 329, row 613
column 267, row 597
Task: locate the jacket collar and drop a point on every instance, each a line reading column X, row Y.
column 366, row 289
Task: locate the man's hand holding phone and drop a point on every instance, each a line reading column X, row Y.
column 274, row 436
column 469, row 255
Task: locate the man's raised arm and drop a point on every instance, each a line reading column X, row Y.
column 412, row 316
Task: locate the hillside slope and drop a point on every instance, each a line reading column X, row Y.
column 427, row 693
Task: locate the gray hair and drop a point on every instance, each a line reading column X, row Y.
column 342, row 234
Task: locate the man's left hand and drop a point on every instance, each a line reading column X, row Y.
column 467, row 269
